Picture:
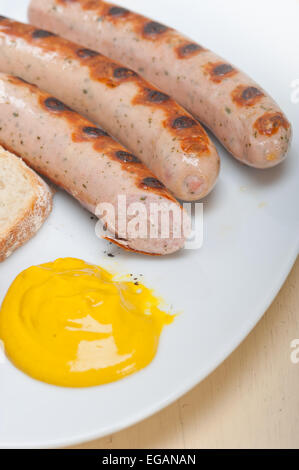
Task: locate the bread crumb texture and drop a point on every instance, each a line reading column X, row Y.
column 25, row 203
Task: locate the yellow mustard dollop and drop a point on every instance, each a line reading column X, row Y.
column 73, row 324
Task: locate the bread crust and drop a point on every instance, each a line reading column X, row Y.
column 32, row 219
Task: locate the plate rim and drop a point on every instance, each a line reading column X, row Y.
column 188, row 385
column 287, row 260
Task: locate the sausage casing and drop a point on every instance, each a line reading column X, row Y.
column 148, row 122
column 80, row 157
column 239, row 112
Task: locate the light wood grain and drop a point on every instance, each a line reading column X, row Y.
column 250, row 401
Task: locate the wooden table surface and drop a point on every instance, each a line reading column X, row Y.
column 250, row 401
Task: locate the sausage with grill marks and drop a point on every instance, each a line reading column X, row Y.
column 148, row 122
column 239, row 112
column 81, row 158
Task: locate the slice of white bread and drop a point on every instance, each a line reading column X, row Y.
column 25, row 203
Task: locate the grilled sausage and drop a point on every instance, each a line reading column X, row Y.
column 238, row 111
column 148, row 122
column 85, row 161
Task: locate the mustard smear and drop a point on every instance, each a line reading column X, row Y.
column 72, row 324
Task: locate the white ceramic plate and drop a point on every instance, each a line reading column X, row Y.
column 251, row 241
